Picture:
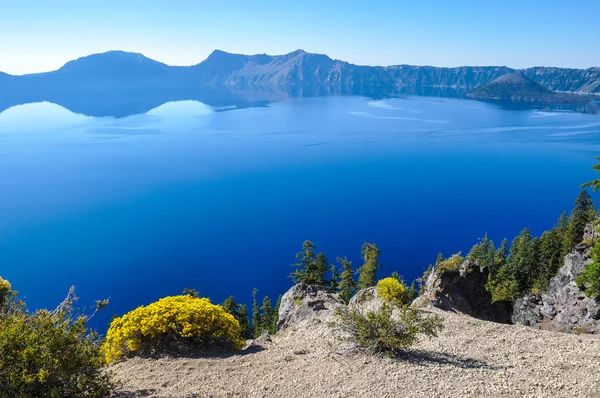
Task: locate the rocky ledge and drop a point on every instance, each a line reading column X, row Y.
column 564, row 307
column 463, row 290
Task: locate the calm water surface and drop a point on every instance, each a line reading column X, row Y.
column 221, row 199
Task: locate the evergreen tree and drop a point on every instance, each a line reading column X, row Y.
column 595, row 184
column 239, row 312
column 521, row 263
column 550, row 256
column 347, row 283
column 582, row 214
column 310, row 267
column 412, row 292
column 335, row 278
column 396, row 276
column 267, row 315
column 256, row 315
column 483, row 252
column 276, row 315
column 439, row 259
column 244, row 320
column 368, row 272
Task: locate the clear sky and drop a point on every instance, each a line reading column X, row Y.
column 41, row 35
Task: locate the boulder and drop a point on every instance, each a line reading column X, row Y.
column 564, row 307
column 303, row 302
column 463, row 290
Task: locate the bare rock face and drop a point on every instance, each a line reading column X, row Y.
column 306, row 301
column 463, row 290
column 564, row 307
column 367, row 300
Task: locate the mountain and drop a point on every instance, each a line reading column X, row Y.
column 112, row 64
column 131, row 78
column 517, row 87
column 298, row 68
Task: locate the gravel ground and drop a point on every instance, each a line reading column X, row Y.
column 470, row 358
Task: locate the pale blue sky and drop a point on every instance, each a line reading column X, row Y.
column 41, row 35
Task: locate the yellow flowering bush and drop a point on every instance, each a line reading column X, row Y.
column 392, row 290
column 171, row 324
column 5, row 289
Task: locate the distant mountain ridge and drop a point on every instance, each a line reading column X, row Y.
column 298, row 68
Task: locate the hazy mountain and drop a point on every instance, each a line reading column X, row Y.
column 297, row 68
column 118, row 83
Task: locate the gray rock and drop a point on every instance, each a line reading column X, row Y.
column 464, row 291
column 306, row 301
column 564, row 307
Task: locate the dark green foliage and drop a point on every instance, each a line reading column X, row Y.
column 335, row 278
column 522, row 261
column 276, row 315
column 439, row 259
column 589, row 279
column 483, row 253
column 191, row 292
column 310, row 267
column 532, row 262
column 582, row 214
column 368, row 272
column 239, row 312
column 595, row 184
column 347, row 285
column 412, row 292
column 268, row 315
column 397, row 276
column 381, row 333
column 49, row 353
column 499, row 259
column 256, row 315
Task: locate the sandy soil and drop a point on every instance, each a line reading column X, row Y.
column 471, row 358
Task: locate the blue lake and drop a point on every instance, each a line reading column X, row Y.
column 220, row 199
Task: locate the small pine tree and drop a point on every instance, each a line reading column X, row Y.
column 335, row 278
column 440, row 259
column 583, row 213
column 268, row 315
column 347, row 285
column 310, row 267
column 239, row 312
column 276, row 315
column 256, row 315
column 412, row 292
column 594, row 184
column 368, row 272
column 397, row 276
column 244, row 320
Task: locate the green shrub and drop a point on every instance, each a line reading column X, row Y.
column 391, row 290
column 175, row 323
column 381, row 333
column 452, row 263
column 589, row 241
column 49, row 353
column 589, row 279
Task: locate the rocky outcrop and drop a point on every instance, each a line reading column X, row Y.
column 463, row 290
column 303, row 302
column 564, row 307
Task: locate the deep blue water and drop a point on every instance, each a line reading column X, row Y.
column 220, row 199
